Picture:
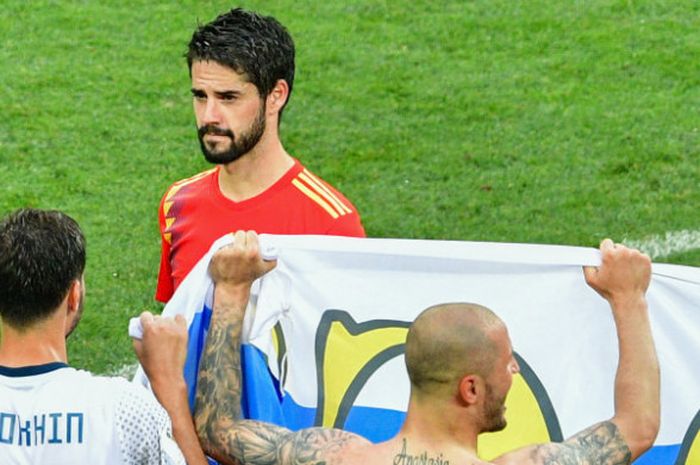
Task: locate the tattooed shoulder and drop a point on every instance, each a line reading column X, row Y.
column 600, row 444
column 318, row 446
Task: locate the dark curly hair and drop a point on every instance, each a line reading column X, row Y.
column 41, row 254
column 256, row 46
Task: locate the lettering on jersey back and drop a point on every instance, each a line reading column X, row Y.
column 46, row 428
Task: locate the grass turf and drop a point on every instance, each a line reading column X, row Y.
column 542, row 121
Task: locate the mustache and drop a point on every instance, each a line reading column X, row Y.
column 214, row 130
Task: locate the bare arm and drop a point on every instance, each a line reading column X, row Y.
column 622, row 280
column 162, row 354
column 224, row 435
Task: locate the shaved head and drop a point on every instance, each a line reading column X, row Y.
column 448, row 341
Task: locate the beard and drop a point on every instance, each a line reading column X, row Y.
column 239, row 146
column 494, row 412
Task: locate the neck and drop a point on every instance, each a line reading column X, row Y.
column 45, row 342
column 436, row 427
column 255, row 171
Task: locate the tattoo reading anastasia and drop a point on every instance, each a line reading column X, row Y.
column 404, row 458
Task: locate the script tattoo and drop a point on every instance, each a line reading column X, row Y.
column 231, row 440
column 601, row 444
column 404, row 458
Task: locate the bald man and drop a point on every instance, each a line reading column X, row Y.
column 452, row 401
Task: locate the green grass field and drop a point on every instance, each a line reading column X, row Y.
column 502, row 120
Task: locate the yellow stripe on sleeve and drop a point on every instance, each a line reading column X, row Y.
column 323, row 190
column 166, row 207
column 315, row 197
column 173, row 190
column 180, row 184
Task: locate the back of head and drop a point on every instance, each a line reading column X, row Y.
column 256, row 46
column 41, row 254
column 447, row 342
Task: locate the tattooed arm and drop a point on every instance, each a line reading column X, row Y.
column 600, row 444
column 223, row 434
column 622, row 279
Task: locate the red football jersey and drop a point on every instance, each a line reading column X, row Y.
column 194, row 213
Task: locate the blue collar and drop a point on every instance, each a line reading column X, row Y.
column 31, row 370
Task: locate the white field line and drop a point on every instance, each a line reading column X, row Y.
column 672, row 242
column 127, row 371
column 656, row 247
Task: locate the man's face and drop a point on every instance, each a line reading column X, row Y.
column 499, row 382
column 229, row 112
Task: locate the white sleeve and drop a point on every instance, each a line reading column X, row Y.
column 144, row 429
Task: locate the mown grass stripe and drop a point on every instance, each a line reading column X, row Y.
column 673, row 242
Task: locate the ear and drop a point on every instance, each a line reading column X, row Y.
column 278, row 96
column 471, row 389
column 75, row 293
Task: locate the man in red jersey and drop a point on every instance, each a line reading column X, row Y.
column 242, row 70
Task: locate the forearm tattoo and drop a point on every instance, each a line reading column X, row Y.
column 232, row 440
column 218, row 397
column 601, row 444
column 253, row 442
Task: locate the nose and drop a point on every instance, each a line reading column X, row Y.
column 209, row 112
column 514, row 367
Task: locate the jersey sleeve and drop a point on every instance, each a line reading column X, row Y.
column 348, row 225
column 144, row 429
column 164, row 287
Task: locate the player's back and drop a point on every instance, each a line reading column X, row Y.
column 54, row 414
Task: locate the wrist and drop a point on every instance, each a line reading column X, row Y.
column 635, row 299
column 232, row 291
column 169, row 390
column 628, row 302
column 230, row 302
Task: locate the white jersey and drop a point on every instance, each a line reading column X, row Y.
column 55, row 414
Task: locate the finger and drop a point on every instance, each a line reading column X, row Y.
column 252, row 237
column 252, row 247
column 239, row 240
column 181, row 321
column 590, row 273
column 606, row 245
column 269, row 265
column 146, row 319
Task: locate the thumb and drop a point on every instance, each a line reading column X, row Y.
column 590, row 273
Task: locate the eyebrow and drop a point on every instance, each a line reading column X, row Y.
column 228, row 94
column 221, row 94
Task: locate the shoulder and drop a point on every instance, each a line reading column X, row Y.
column 125, row 396
column 197, row 179
column 341, row 214
column 143, row 426
column 317, row 445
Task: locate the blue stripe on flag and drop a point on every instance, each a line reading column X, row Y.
column 197, row 334
column 659, row 455
column 259, row 397
column 376, row 424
